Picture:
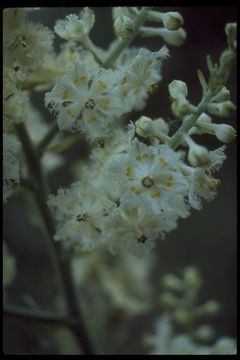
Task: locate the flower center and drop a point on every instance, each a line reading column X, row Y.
column 90, row 104
column 147, row 182
column 142, row 239
column 82, row 217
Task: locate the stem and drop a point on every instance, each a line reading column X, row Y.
column 88, row 44
column 62, row 264
column 37, row 315
column 122, row 44
column 47, row 139
column 189, row 121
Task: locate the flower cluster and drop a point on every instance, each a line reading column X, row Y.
column 179, row 297
column 138, row 182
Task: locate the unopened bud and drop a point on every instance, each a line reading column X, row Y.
column 171, row 282
column 182, row 316
column 231, row 32
column 192, row 277
column 182, row 107
column 225, row 133
column 124, row 27
column 144, row 126
column 178, row 89
column 167, row 299
column 172, row 20
column 223, row 109
column 197, row 154
column 211, row 307
column 222, row 95
column 204, row 333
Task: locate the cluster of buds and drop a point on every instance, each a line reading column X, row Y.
column 171, row 30
column 219, row 105
column 180, row 296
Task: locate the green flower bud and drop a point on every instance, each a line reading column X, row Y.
column 223, row 109
column 192, row 277
column 168, row 300
column 231, row 32
column 172, row 20
column 182, row 107
column 225, row 133
column 171, row 282
column 197, row 154
column 211, row 307
column 222, row 95
column 182, row 316
column 178, row 89
column 204, row 333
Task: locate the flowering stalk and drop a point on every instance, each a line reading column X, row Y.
column 62, row 265
column 189, row 121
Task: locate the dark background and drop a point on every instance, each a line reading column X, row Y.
column 206, row 239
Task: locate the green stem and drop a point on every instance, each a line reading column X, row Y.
column 190, row 120
column 37, row 315
column 122, row 44
column 47, row 139
column 62, row 264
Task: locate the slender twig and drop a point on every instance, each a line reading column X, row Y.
column 189, row 121
column 44, row 316
column 47, row 139
column 60, row 261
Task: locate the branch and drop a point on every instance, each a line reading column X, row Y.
column 37, row 315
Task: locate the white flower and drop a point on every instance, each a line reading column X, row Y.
column 140, row 77
column 202, row 185
column 15, row 104
column 74, row 27
column 25, row 44
column 11, row 147
column 80, row 214
column 85, row 100
column 132, row 227
column 150, row 175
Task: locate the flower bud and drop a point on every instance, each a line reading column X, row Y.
column 171, row 282
column 167, row 299
column 124, row 27
column 144, row 126
column 160, row 125
column 182, row 107
column 147, row 127
column 211, row 307
column 225, row 133
column 231, row 32
column 223, row 109
column 197, row 154
column 182, row 316
column 222, row 95
column 204, row 333
column 178, row 89
column 192, row 277
column 172, row 20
